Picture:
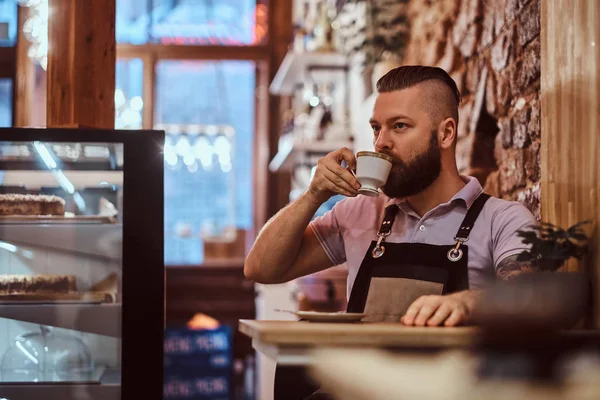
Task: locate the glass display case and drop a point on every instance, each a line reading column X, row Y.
column 81, row 264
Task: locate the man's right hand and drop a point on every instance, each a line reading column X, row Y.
column 331, row 178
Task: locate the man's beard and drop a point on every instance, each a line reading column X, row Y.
column 409, row 178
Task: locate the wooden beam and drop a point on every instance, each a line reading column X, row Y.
column 280, row 34
column 570, row 99
column 149, row 90
column 193, row 52
column 81, row 63
column 261, row 151
column 24, row 76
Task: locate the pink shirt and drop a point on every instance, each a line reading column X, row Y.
column 347, row 230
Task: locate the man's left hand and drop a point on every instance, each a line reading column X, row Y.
column 450, row 310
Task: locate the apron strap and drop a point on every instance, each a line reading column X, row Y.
column 467, row 225
column 388, row 220
column 463, row 232
column 385, row 230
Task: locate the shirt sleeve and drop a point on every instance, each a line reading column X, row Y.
column 329, row 233
column 506, row 223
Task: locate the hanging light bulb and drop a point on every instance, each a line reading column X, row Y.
column 170, row 154
column 119, row 98
column 193, row 168
column 183, row 146
column 226, row 167
column 189, row 159
column 204, row 151
column 128, row 114
column 136, row 103
column 35, row 30
column 222, row 146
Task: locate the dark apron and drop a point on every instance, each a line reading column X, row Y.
column 393, row 275
column 390, row 278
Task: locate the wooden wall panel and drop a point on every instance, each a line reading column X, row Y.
column 81, row 63
column 570, row 49
column 24, row 77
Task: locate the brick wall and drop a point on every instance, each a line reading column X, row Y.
column 492, row 50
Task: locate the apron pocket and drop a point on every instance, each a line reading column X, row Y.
column 389, row 298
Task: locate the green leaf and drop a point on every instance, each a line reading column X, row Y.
column 581, row 223
column 552, row 244
column 579, row 236
column 525, row 256
column 528, row 235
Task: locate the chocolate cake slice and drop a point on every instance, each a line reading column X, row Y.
column 18, row 284
column 31, row 204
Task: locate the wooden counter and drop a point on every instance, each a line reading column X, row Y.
column 289, row 342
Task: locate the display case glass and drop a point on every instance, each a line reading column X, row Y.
column 81, row 263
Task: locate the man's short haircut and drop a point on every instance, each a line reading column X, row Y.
column 410, row 75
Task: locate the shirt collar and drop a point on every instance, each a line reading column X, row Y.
column 468, row 194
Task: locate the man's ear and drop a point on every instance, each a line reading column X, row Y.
column 447, row 133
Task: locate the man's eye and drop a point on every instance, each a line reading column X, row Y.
column 375, row 128
column 400, row 125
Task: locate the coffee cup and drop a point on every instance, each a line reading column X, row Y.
column 372, row 171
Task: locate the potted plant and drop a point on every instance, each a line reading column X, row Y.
column 551, row 245
column 521, row 319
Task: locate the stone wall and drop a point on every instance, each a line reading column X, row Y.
column 492, row 50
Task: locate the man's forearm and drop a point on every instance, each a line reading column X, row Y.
column 277, row 245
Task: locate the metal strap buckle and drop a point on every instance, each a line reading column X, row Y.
column 455, row 253
column 379, row 248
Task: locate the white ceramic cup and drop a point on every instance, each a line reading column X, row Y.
column 372, row 171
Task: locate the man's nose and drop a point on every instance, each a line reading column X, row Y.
column 383, row 141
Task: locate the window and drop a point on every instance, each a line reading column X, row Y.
column 207, row 110
column 8, row 23
column 6, row 91
column 192, row 22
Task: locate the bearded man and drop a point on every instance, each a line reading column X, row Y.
column 444, row 240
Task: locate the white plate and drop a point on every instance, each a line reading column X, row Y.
column 314, row 316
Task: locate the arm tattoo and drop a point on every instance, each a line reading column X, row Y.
column 510, row 268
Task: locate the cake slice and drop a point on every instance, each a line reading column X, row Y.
column 19, row 284
column 31, row 204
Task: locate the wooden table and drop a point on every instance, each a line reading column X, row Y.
column 330, row 350
column 290, row 342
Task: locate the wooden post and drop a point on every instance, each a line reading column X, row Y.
column 81, row 63
column 280, row 35
column 570, row 99
column 25, row 76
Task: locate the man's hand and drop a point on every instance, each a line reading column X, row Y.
column 331, row 178
column 450, row 310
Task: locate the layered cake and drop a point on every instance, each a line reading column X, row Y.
column 20, row 284
column 28, row 204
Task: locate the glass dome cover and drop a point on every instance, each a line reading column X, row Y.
column 47, row 356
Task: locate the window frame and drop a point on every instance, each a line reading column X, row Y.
column 8, row 70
